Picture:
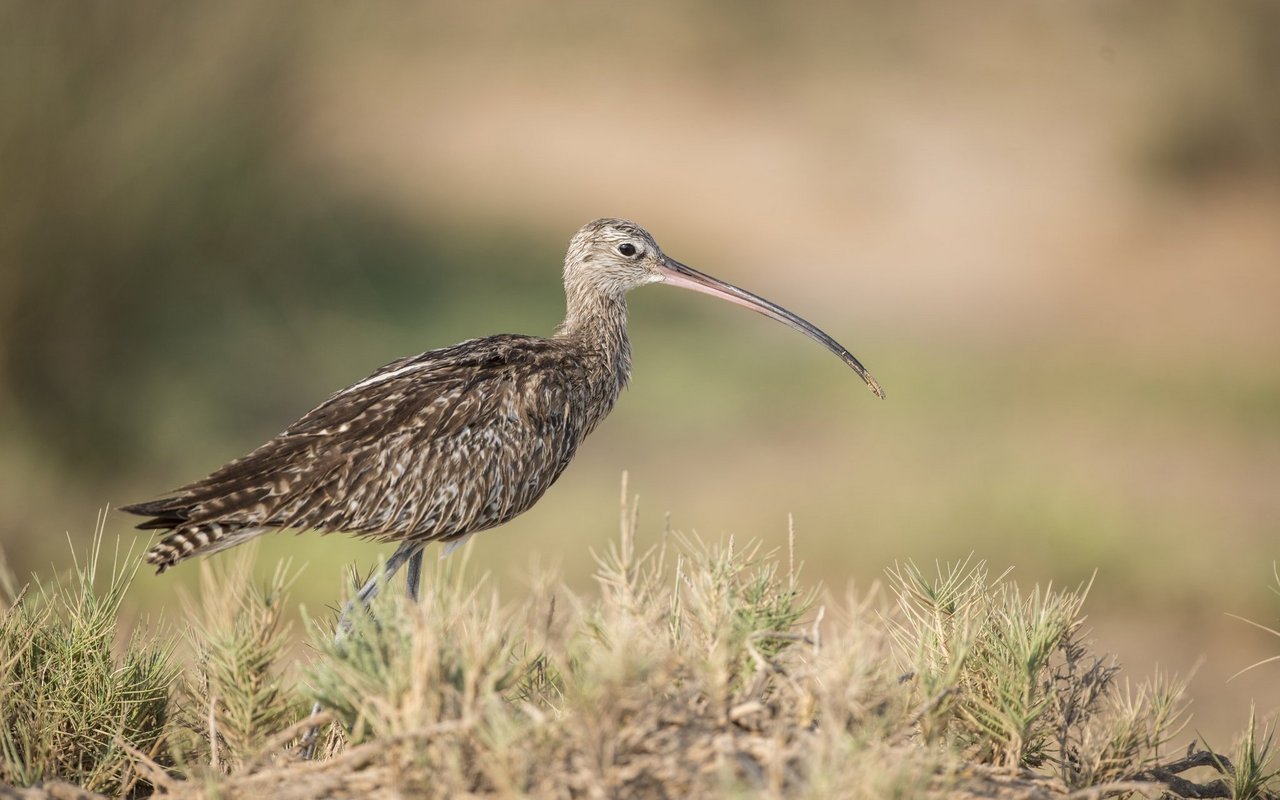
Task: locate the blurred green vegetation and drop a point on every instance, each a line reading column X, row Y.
column 155, row 231
column 202, row 235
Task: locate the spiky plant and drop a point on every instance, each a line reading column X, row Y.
column 71, row 707
column 238, row 693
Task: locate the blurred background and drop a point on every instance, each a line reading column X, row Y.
column 1052, row 230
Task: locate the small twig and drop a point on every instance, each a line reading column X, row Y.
column 785, row 636
column 305, row 773
column 923, row 711
column 745, row 709
column 1167, row 774
column 17, row 599
column 769, row 665
column 761, row 662
column 213, row 732
column 816, row 634
column 1202, row 758
column 791, row 550
column 360, row 755
column 1111, row 789
column 287, row 735
column 551, row 616
column 1190, row 789
column 133, row 767
column 155, row 773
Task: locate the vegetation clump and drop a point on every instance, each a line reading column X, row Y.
column 697, row 670
column 71, row 707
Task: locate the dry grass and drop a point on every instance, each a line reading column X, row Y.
column 696, row 670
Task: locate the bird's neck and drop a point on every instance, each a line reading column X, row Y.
column 597, row 326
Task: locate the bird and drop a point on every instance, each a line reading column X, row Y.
column 440, row 446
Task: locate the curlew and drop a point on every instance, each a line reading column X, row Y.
column 440, row 446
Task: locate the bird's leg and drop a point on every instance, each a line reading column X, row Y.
column 407, row 551
column 414, row 576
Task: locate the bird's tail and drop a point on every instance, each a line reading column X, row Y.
column 197, row 539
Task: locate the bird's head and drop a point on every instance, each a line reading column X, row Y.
column 609, row 257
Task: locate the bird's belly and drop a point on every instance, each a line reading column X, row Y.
column 483, row 479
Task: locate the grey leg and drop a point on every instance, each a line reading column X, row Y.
column 408, row 551
column 413, row 579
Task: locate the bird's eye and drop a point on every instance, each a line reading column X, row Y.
column 627, row 249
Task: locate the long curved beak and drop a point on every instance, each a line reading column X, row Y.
column 677, row 274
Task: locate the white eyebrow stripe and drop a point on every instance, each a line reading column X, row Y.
column 386, row 376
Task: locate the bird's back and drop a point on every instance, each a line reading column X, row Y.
column 431, row 448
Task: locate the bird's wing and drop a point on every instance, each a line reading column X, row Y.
column 245, row 480
column 453, row 438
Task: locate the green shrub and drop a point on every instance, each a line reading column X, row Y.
column 71, row 707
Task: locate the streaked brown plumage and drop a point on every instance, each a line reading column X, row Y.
column 439, row 446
